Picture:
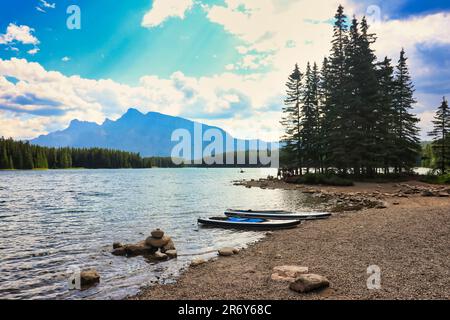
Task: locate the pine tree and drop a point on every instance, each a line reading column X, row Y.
column 441, row 134
column 291, row 119
column 4, row 158
column 428, row 156
column 336, row 117
column 369, row 100
column 325, row 112
column 386, row 133
column 407, row 144
column 310, row 118
column 28, row 160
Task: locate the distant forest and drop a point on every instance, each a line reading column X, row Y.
column 24, row 156
column 353, row 114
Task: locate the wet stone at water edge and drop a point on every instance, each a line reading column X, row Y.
column 157, row 247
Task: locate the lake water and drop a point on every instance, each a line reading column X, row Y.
column 52, row 220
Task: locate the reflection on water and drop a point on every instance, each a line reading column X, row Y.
column 50, row 220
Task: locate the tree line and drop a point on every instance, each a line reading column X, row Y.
column 25, row 156
column 438, row 153
column 353, row 115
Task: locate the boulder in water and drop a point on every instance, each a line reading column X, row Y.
column 160, row 256
column 117, row 245
column 157, row 243
column 157, row 233
column 153, row 248
column 138, row 249
column 89, row 278
column 119, row 251
column 169, row 246
column 171, row 253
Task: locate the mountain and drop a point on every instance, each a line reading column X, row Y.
column 149, row 134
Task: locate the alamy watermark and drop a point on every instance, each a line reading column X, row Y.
column 374, row 280
column 74, row 277
column 373, row 15
column 215, row 147
column 73, row 21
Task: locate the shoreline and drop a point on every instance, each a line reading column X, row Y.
column 406, row 234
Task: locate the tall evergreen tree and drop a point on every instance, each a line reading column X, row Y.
column 336, row 117
column 386, row 128
column 407, row 144
column 4, row 159
column 441, row 134
column 291, row 119
column 310, row 118
column 325, row 111
column 28, row 160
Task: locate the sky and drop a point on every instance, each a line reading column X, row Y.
column 221, row 62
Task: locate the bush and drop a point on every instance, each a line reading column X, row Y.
column 319, row 178
column 436, row 179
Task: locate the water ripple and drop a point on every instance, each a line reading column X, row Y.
column 52, row 220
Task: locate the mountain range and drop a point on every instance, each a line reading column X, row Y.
column 149, row 134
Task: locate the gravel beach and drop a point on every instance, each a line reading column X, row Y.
column 409, row 240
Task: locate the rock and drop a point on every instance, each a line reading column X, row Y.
column 169, row 246
column 269, row 233
column 444, row 195
column 278, row 256
column 89, row 278
column 171, row 253
column 427, row 193
column 157, row 243
column 236, row 250
column 381, row 205
column 138, row 249
column 160, row 256
column 119, row 251
column 277, row 277
column 290, row 271
column 117, row 245
column 309, row 282
column 157, row 233
column 396, row 203
column 198, row 261
column 226, row 252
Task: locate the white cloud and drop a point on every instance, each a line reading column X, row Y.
column 48, row 100
column 163, row 9
column 47, row 4
column 33, row 51
column 22, row 34
column 40, row 9
column 65, row 59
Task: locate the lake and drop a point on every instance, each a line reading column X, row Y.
column 56, row 219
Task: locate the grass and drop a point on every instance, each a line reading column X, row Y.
column 436, row 179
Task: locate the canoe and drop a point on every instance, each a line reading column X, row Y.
column 248, row 223
column 277, row 214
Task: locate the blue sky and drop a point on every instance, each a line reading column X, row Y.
column 219, row 61
column 111, row 36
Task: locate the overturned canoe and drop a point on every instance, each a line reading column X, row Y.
column 248, row 223
column 276, row 214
